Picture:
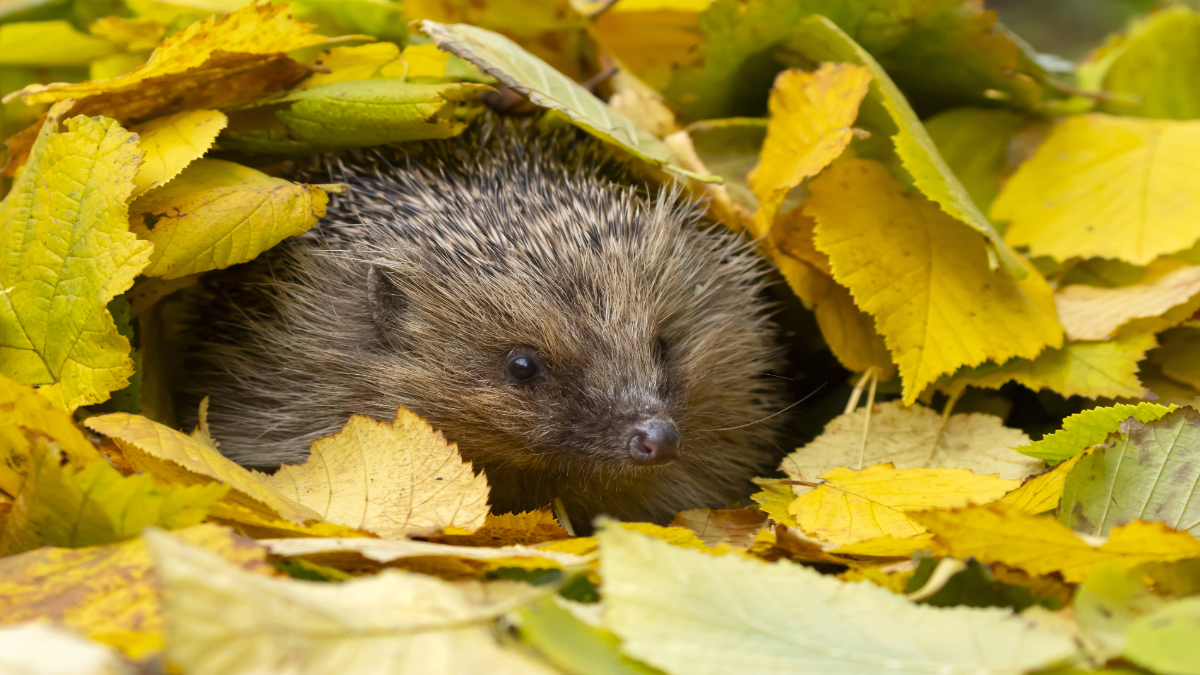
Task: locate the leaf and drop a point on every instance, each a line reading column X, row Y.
column 1107, row 187
column 1164, row 641
column 1108, row 601
column 1090, row 369
column 46, row 44
column 1150, row 472
column 1178, row 355
column 528, row 528
column 950, row 310
column 888, row 110
column 219, row 62
column 913, row 438
column 39, row 648
column 107, row 592
column 59, row 505
column 573, row 645
column 217, row 214
column 67, row 252
column 383, row 19
column 774, row 500
column 222, row 620
column 974, row 143
column 352, row 63
column 375, row 112
column 28, row 421
column 1088, row 428
column 811, row 115
column 1149, row 70
column 177, row 458
column 442, row 560
column 1090, row 313
column 173, row 142
column 527, row 74
column 1041, row 545
column 735, row 527
column 391, row 479
column 685, row 612
column 851, row 506
column 1042, row 493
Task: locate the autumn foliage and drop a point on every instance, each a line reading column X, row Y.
column 964, row 221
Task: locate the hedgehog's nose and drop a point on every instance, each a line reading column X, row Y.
column 655, row 441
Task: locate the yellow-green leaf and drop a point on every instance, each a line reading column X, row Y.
column 424, row 556
column 353, row 63
column 65, row 252
column 924, row 278
column 1090, row 427
column 49, row 43
column 173, row 142
column 1107, row 187
column 217, row 213
column 28, row 420
column 391, row 479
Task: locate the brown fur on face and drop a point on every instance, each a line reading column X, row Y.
column 444, row 261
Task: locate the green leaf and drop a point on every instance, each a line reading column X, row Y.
column 1152, row 70
column 1149, row 472
column 383, row 19
column 65, row 252
column 886, row 109
column 1165, row 641
column 59, row 505
column 729, row 148
column 974, row 143
column 375, row 112
column 1090, row 427
column 684, row 611
column 527, row 74
column 217, row 213
column 571, row 644
column 1109, row 601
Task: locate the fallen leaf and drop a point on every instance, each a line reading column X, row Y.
column 735, row 527
column 851, row 506
column 1108, row 601
column 68, row 252
column 528, row 528
column 572, row 645
column 391, row 479
column 686, row 612
column 1151, row 471
column 45, row 44
column 352, row 63
column 1041, row 545
column 39, row 648
column 950, row 310
column 223, row 620
column 177, row 458
column 1042, row 493
column 1090, row 313
column 107, row 592
column 774, row 499
column 1164, row 641
column 1107, row 187
column 913, row 438
column 171, row 143
column 1090, row 427
column 29, row 420
column 974, row 142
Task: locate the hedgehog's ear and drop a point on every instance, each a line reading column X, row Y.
column 385, row 299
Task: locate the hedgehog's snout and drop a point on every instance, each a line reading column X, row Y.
column 655, row 441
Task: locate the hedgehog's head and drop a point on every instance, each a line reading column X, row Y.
column 602, row 343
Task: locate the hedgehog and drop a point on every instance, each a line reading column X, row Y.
column 581, row 333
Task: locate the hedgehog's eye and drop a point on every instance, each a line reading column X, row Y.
column 523, row 367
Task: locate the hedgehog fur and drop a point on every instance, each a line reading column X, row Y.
column 446, row 257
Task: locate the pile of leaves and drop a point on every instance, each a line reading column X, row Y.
column 963, row 221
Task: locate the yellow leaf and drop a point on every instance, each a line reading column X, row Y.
column 223, row 620
column 811, row 114
column 422, row 61
column 354, row 63
column 1107, row 187
column 177, row 458
column 676, row 536
column 913, row 438
column 131, row 34
column 45, row 44
column 1091, row 369
column 1041, row 545
column 173, row 142
column 774, row 500
column 1042, row 492
column 924, row 277
column 887, row 547
column 391, row 479
column 528, row 528
column 219, row 62
column 217, row 214
column 107, row 592
column 28, row 420
column 1091, row 313
column 59, row 505
column 67, row 253
column 895, row 582
column 735, row 527
column 851, row 506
